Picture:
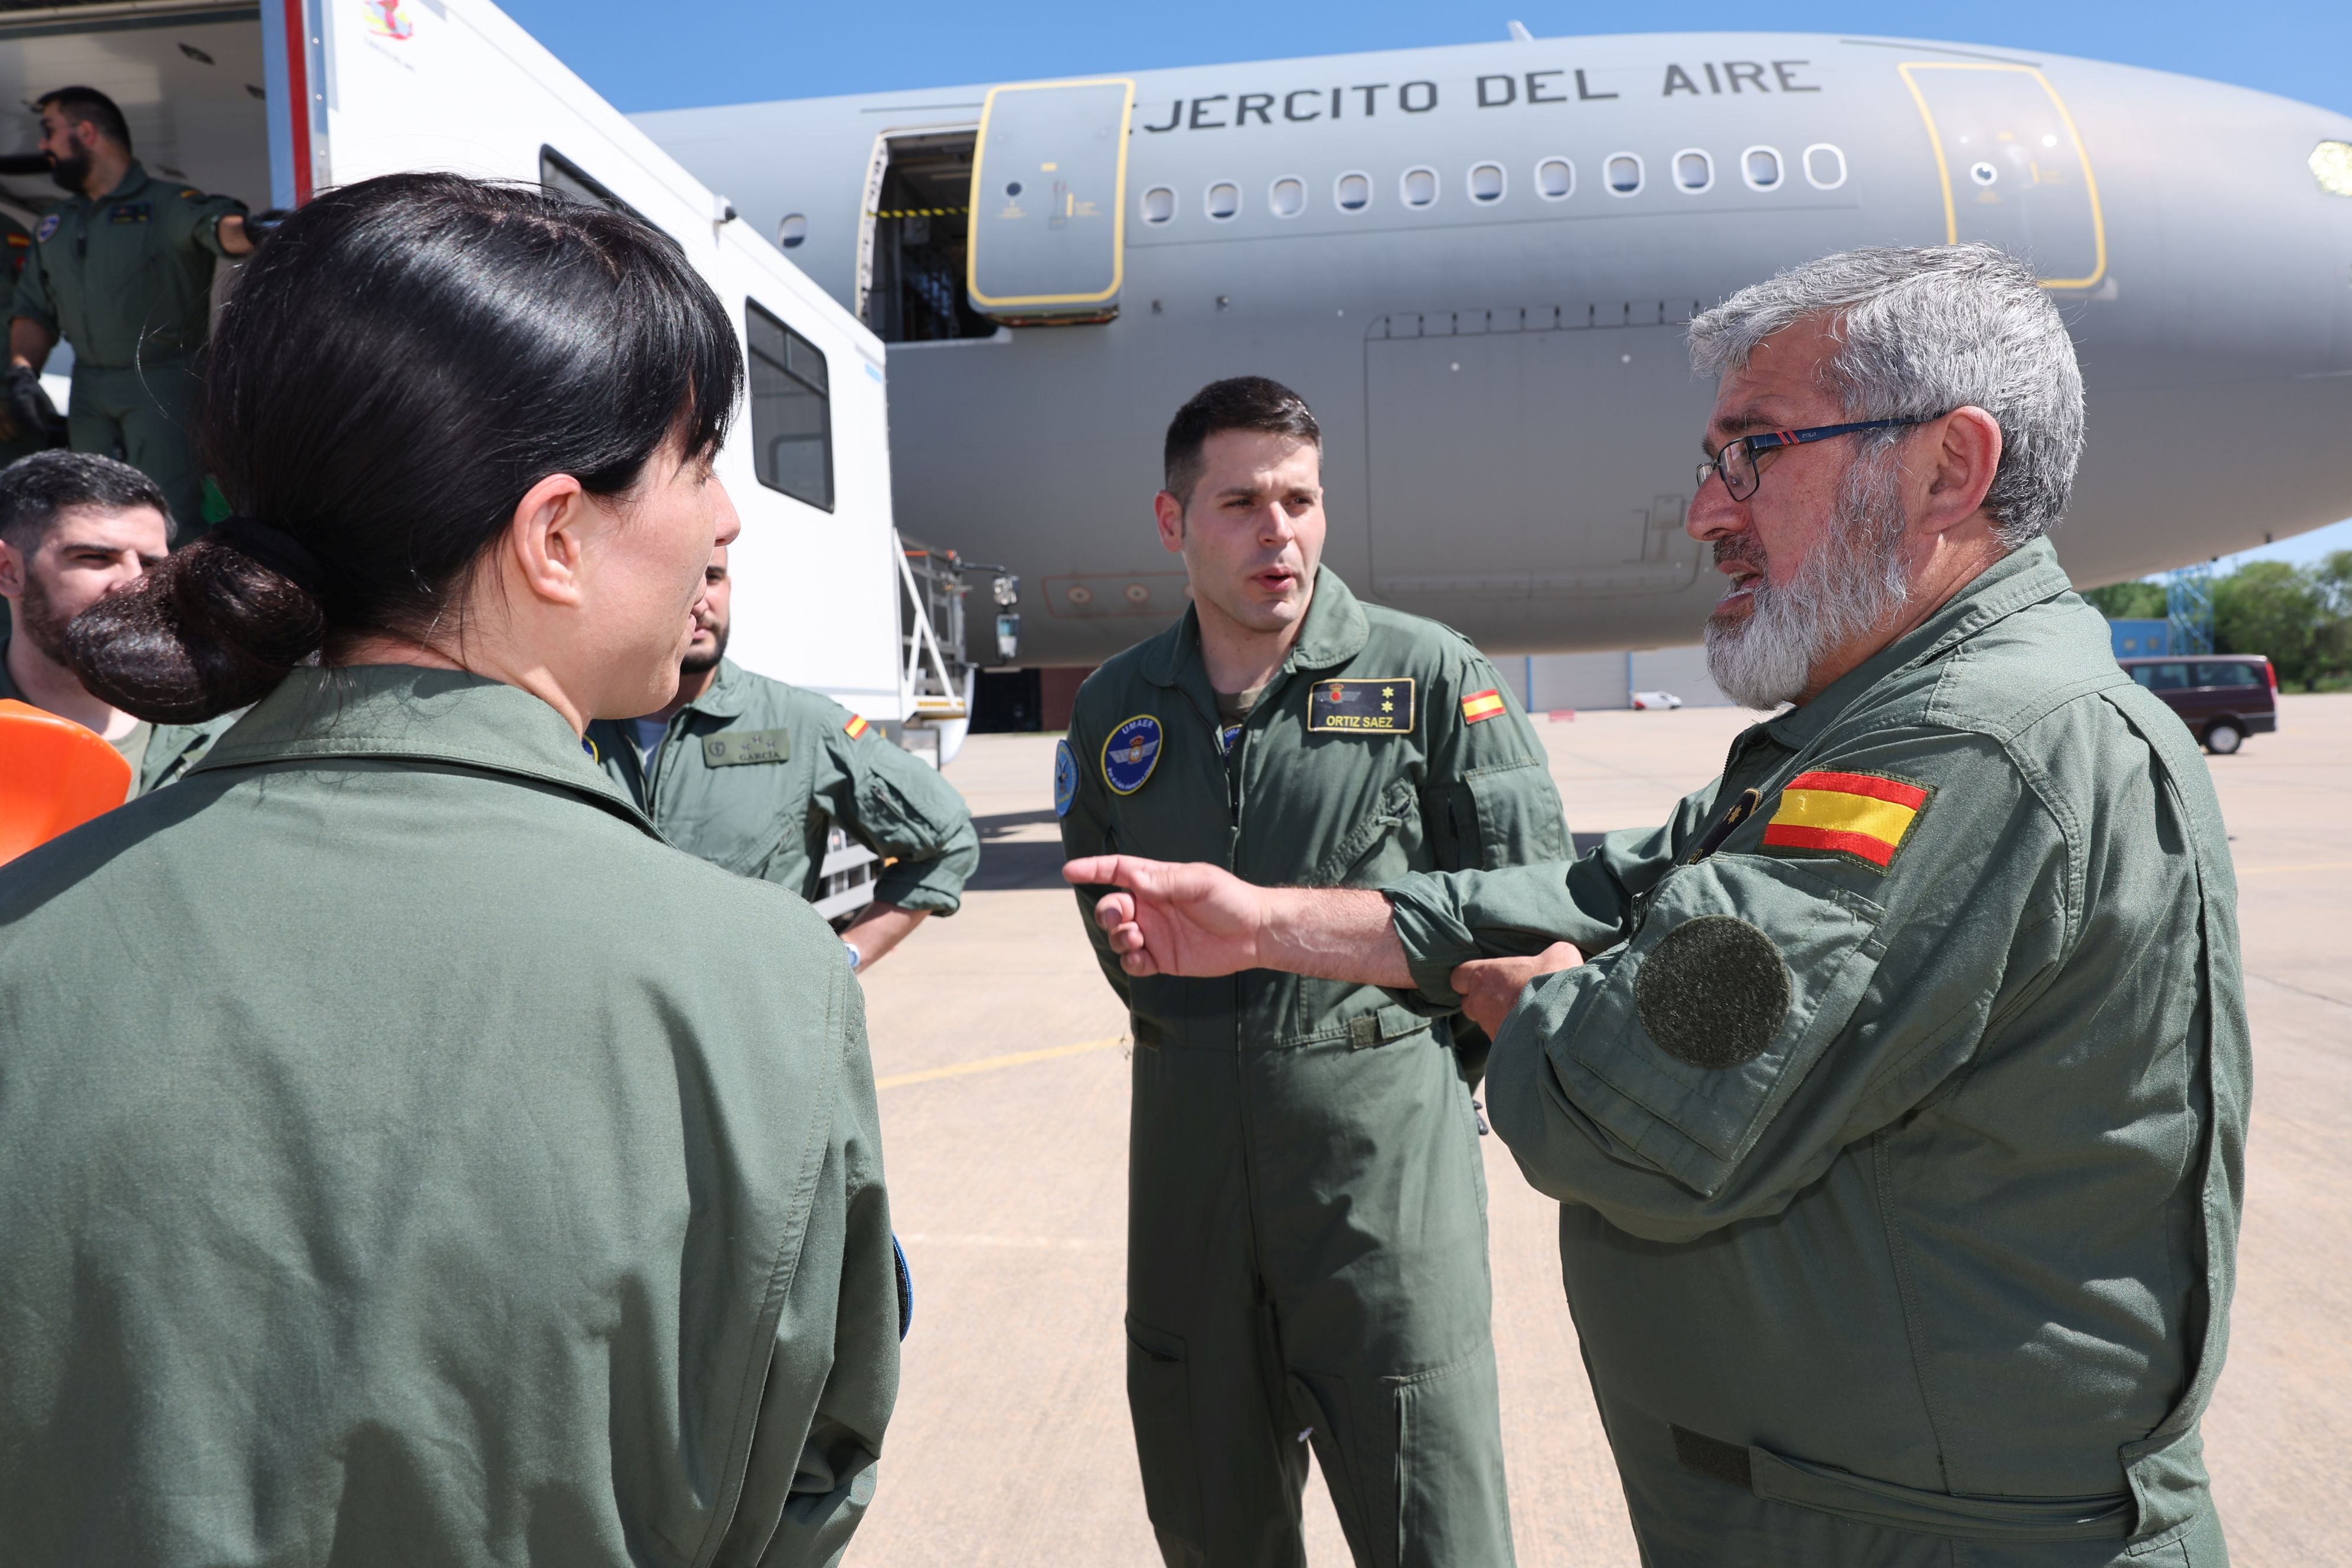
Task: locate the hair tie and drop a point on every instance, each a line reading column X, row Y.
column 272, row 547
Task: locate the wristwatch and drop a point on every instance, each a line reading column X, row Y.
column 854, row 957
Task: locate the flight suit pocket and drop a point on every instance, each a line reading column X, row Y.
column 1352, row 859
column 1450, row 1501
column 1499, row 820
column 1741, row 972
column 1159, row 1403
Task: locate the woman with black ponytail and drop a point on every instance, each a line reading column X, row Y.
column 404, row 1156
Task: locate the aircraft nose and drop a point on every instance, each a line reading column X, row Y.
column 2217, row 347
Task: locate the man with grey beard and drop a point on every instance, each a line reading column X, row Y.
column 1897, row 1114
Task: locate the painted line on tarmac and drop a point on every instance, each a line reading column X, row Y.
column 990, row 1064
column 2313, row 865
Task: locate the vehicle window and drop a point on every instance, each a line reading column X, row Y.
column 1693, row 169
column 2227, row 674
column 1353, row 191
column 792, row 410
column 565, row 178
column 1418, row 187
column 2163, row 677
column 1760, row 166
column 1486, row 183
column 1624, row 170
column 1824, row 166
column 1159, row 205
column 1224, row 200
column 1556, row 179
column 1287, row 197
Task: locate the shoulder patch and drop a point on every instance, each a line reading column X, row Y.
column 1131, row 753
column 1066, row 777
column 1377, row 705
column 191, row 194
column 1482, row 705
column 856, row 727
column 1861, row 817
column 48, row 226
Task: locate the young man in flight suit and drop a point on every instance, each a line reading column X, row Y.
column 1899, row 1122
column 1307, row 1233
column 122, row 270
column 751, row 774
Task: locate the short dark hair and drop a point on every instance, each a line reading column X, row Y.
column 34, row 490
column 1237, row 403
column 88, row 106
column 403, row 360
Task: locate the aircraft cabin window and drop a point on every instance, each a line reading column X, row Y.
column 792, row 410
column 1693, row 171
column 1486, row 181
column 1418, row 187
column 1353, row 191
column 1824, row 166
column 1555, row 179
column 1760, row 167
column 1224, row 200
column 1287, row 196
column 792, row 231
column 1159, row 205
column 1625, row 173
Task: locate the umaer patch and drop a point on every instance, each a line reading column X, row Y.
column 1226, row 736
column 738, row 748
column 1478, row 705
column 1865, row 817
column 856, row 727
column 1131, row 753
column 1350, row 706
column 48, row 226
column 1713, row 992
column 1065, row 778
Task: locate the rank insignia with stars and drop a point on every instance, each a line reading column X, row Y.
column 1383, row 705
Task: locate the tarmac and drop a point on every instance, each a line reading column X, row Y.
column 1001, row 1062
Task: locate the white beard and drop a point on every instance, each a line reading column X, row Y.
column 1856, row 583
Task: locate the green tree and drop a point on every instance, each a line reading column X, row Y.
column 2332, row 653
column 2130, row 601
column 2270, row 608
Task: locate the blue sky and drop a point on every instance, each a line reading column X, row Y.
column 734, row 51
column 737, row 51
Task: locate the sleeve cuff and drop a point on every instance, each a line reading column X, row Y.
column 924, row 886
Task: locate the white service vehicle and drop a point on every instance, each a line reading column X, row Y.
column 272, row 102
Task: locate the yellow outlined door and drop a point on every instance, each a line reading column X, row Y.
column 2014, row 169
column 1049, row 201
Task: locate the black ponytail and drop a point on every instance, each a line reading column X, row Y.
column 400, row 362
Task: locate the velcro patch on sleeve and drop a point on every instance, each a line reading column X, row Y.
column 1480, row 705
column 1862, row 816
column 856, row 727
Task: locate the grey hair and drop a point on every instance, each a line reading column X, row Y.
column 1926, row 329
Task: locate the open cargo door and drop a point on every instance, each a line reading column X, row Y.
column 1049, row 202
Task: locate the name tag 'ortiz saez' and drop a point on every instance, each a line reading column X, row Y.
column 1353, row 707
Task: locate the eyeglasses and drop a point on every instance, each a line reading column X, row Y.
column 1736, row 462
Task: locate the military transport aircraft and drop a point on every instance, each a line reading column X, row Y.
column 1476, row 261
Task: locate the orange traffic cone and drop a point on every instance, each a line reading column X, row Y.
column 55, row 775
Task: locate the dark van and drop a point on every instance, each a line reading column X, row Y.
column 2222, row 698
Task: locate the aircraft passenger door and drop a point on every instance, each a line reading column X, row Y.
column 1049, row 202
column 2014, row 170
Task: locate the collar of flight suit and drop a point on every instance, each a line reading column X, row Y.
column 726, row 698
column 2026, row 575
column 408, row 713
column 1335, row 632
column 134, row 180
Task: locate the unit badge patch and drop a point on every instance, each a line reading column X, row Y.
column 1860, row 817
column 1065, row 778
column 1381, row 707
column 740, row 747
column 1487, row 704
column 48, row 226
column 1131, row 753
column 856, row 727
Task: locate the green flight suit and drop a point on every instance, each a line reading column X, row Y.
column 1307, row 1209
column 1899, row 1139
column 128, row 280
column 751, row 774
column 158, row 754
column 17, row 244
column 406, row 1157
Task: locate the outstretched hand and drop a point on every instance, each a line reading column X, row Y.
column 1491, row 987
column 1195, row 919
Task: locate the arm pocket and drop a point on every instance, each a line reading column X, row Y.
column 1507, row 814
column 1744, row 970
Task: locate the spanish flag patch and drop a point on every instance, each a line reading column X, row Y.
column 856, row 727
column 1487, row 704
column 1864, row 817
